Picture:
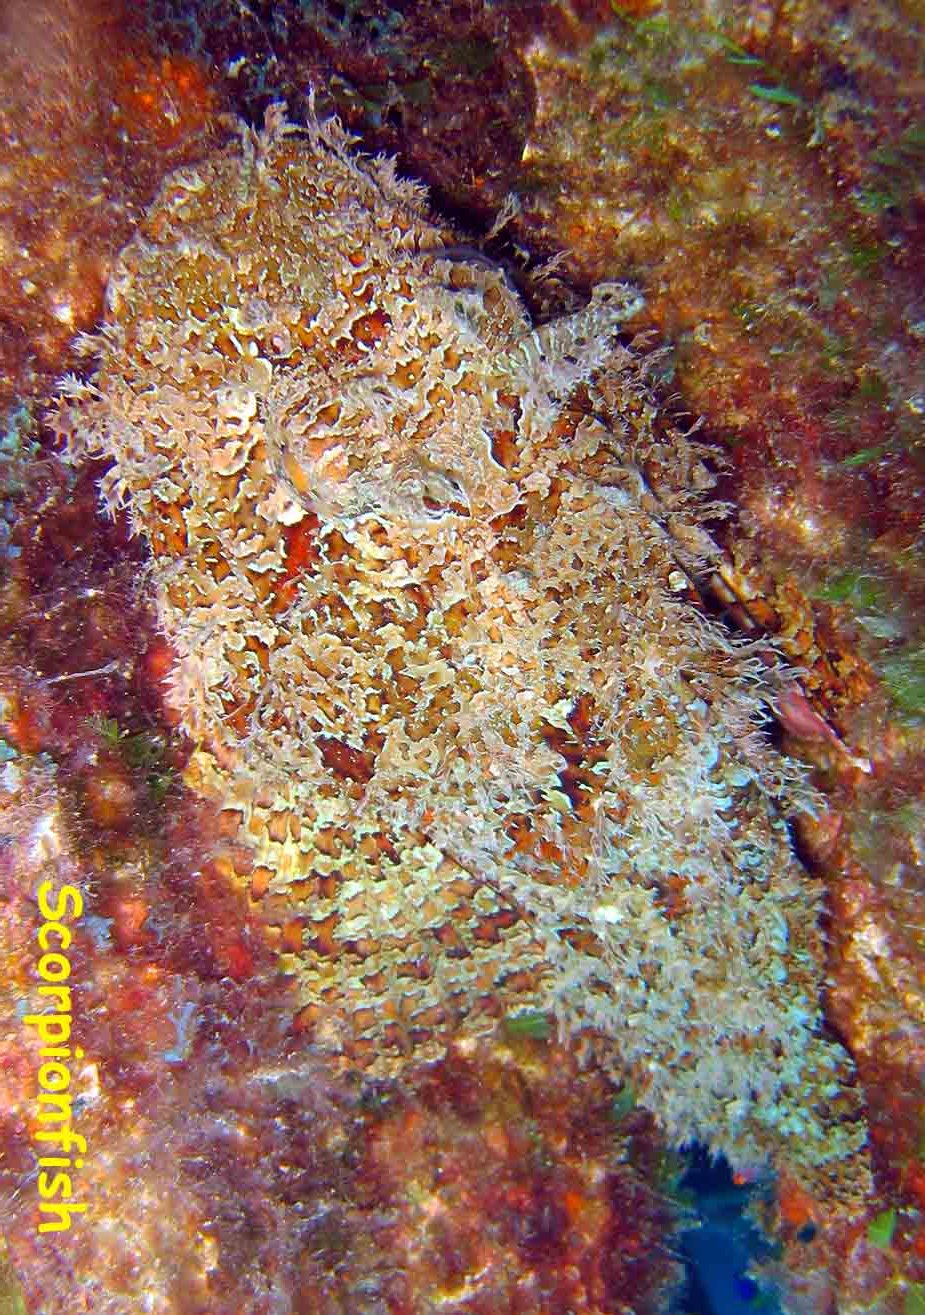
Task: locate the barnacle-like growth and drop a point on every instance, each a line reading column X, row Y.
column 425, row 569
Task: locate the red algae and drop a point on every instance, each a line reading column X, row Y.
column 164, row 102
column 87, row 129
column 559, row 1217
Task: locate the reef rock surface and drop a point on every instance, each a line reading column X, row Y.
column 426, row 572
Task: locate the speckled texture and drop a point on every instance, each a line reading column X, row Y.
column 88, row 127
column 425, row 569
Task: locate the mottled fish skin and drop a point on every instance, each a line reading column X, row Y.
column 439, row 650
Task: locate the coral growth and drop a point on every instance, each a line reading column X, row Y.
column 438, row 646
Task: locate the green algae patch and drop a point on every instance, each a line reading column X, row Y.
column 881, row 1228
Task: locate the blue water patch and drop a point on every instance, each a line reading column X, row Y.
column 721, row 1248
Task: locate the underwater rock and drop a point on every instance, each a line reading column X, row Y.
column 89, row 123
column 427, row 571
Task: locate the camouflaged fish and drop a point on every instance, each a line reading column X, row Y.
column 426, row 570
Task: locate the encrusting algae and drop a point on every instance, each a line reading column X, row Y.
column 426, row 570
